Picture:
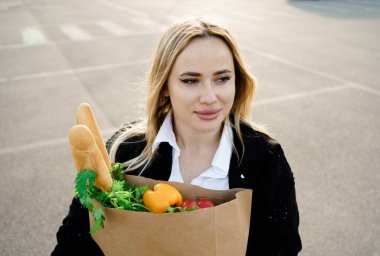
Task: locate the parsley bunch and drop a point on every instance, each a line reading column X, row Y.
column 122, row 195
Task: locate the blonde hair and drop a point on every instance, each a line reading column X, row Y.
column 174, row 40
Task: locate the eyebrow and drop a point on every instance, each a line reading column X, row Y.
column 198, row 74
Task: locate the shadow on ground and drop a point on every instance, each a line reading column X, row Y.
column 340, row 9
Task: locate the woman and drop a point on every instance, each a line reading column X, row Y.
column 198, row 131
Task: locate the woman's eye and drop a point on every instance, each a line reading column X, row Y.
column 189, row 81
column 223, row 79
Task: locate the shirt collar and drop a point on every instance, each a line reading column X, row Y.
column 220, row 161
column 166, row 134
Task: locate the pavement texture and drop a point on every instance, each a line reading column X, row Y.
column 317, row 64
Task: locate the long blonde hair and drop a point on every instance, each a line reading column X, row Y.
column 174, row 40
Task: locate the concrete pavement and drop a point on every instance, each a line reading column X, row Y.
column 317, row 66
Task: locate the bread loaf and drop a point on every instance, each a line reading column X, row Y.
column 86, row 117
column 88, row 156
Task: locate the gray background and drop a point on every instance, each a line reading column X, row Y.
column 317, row 66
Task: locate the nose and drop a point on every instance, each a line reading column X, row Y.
column 207, row 94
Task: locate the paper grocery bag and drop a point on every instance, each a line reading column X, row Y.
column 219, row 230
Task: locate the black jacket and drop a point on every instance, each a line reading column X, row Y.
column 262, row 168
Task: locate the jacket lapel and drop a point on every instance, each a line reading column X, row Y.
column 253, row 168
column 161, row 166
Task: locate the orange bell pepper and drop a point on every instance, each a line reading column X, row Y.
column 163, row 197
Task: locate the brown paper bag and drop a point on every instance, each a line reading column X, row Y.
column 219, row 230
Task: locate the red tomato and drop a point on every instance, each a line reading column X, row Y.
column 189, row 204
column 204, row 203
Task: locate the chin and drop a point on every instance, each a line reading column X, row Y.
column 209, row 126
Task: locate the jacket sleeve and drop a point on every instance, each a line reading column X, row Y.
column 274, row 214
column 283, row 215
column 73, row 236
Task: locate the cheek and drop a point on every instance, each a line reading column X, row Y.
column 183, row 95
column 176, row 95
column 229, row 95
column 230, row 99
column 179, row 100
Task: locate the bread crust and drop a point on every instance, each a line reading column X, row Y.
column 86, row 117
column 87, row 156
column 81, row 142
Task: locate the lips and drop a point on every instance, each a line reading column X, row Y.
column 208, row 114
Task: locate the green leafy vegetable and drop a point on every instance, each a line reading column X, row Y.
column 99, row 220
column 85, row 180
column 122, row 195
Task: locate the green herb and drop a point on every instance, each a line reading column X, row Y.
column 99, row 220
column 83, row 182
column 122, row 195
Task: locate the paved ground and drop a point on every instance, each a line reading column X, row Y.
column 317, row 63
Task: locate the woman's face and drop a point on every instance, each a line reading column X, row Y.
column 201, row 85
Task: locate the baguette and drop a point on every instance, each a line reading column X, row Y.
column 86, row 117
column 87, row 156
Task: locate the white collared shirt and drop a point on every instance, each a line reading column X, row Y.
column 215, row 177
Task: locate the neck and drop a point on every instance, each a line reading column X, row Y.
column 188, row 140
